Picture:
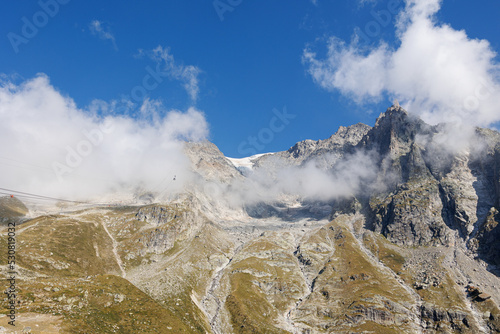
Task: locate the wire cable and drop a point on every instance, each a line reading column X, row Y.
column 41, row 197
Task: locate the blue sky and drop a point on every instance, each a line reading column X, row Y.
column 247, row 66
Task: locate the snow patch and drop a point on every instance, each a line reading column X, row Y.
column 247, row 162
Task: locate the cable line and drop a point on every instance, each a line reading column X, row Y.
column 41, row 197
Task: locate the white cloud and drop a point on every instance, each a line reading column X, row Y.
column 435, row 71
column 276, row 180
column 51, row 147
column 187, row 74
column 103, row 32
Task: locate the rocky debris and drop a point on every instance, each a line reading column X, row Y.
column 424, row 280
column 432, row 278
column 476, row 294
column 424, row 264
column 302, row 259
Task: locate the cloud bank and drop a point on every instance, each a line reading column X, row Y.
column 314, row 181
column 434, row 70
column 277, row 181
column 51, row 147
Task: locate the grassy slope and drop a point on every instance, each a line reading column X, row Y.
column 99, row 304
column 346, row 282
column 66, row 251
column 349, row 283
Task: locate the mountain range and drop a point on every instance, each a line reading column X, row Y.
column 386, row 229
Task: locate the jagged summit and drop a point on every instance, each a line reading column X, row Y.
column 394, row 113
column 394, row 131
column 336, row 145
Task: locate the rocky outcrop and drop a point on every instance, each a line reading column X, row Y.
column 394, row 138
column 156, row 215
column 411, row 216
column 11, row 210
column 409, row 209
column 443, row 320
column 167, row 225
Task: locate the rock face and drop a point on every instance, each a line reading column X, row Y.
column 412, row 216
column 167, row 227
column 398, row 254
column 488, row 238
column 429, row 191
column 208, row 161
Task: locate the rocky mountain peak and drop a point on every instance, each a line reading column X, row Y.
column 394, row 112
column 209, row 162
column 394, row 132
